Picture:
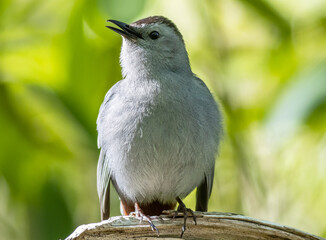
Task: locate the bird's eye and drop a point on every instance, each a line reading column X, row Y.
column 154, row 35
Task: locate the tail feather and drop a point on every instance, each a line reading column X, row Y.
column 105, row 207
column 202, row 197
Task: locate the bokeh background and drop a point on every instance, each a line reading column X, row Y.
column 264, row 60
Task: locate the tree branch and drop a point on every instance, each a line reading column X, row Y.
column 212, row 225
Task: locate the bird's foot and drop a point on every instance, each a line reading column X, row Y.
column 182, row 208
column 140, row 214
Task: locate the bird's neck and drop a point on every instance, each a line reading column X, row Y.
column 139, row 65
column 135, row 66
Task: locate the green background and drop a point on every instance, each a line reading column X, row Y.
column 264, row 60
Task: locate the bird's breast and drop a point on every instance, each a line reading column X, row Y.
column 158, row 144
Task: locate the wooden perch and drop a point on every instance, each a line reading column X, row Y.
column 212, row 225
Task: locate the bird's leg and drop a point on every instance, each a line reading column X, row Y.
column 140, row 214
column 182, row 208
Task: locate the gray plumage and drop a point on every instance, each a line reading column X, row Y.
column 159, row 128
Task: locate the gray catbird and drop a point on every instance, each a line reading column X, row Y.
column 159, row 128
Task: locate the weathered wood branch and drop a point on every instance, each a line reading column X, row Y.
column 212, row 225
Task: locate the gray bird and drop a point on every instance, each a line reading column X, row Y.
column 159, row 128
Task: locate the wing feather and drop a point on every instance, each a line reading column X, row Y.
column 103, row 170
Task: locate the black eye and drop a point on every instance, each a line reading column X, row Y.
column 154, row 35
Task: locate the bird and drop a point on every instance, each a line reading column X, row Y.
column 159, row 128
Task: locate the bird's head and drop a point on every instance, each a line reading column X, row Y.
column 152, row 45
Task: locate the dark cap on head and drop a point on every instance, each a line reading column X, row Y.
column 158, row 19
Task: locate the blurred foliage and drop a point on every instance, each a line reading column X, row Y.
column 265, row 60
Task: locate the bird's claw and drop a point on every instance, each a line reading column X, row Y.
column 139, row 214
column 182, row 208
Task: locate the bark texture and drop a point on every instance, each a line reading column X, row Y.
column 212, row 225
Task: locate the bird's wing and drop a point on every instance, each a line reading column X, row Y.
column 204, row 191
column 201, row 82
column 103, row 170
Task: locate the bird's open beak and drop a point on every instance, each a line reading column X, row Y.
column 125, row 30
